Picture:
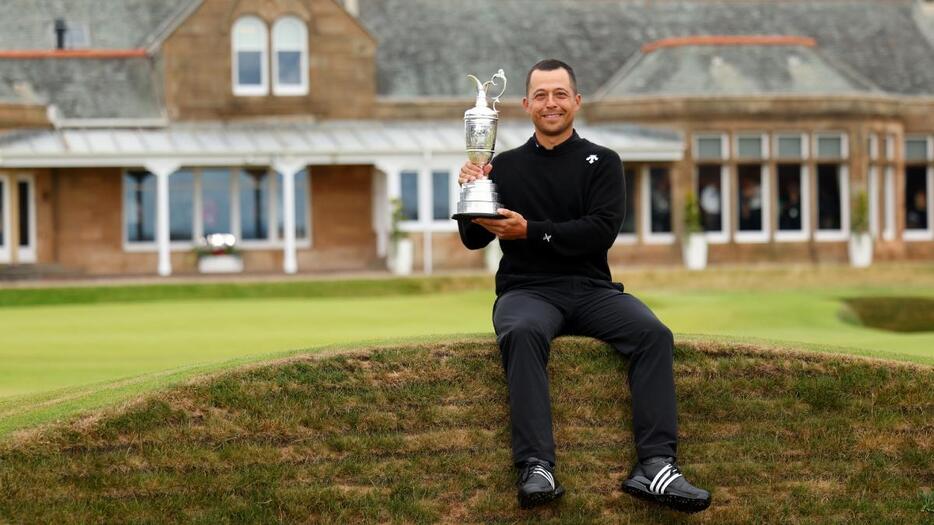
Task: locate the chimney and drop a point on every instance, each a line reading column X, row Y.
column 60, row 30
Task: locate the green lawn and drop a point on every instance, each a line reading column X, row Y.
column 63, row 351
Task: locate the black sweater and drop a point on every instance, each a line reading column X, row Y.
column 573, row 199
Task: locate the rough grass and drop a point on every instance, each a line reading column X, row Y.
column 896, row 314
column 420, row 434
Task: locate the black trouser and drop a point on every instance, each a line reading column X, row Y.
column 526, row 319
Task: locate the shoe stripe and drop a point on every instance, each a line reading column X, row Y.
column 662, row 480
column 658, row 477
column 542, row 471
column 665, row 485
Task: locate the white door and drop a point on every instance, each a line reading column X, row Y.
column 5, row 219
column 26, row 219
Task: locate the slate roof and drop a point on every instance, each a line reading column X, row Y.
column 427, row 46
column 89, row 88
column 705, row 70
column 112, row 24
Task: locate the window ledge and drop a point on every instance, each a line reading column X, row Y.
column 752, row 237
column 792, row 236
column 626, row 238
column 918, row 235
column 659, row 238
column 831, row 235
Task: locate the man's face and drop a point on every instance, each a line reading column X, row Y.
column 551, row 101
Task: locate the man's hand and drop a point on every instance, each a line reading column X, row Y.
column 513, row 227
column 470, row 172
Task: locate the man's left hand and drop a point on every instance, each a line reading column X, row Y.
column 512, row 227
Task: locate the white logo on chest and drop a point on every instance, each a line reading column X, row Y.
column 547, row 237
column 593, row 158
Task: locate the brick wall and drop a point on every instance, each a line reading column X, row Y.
column 197, row 63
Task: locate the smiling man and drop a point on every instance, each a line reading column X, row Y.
column 563, row 205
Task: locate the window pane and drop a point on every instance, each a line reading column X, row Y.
column 790, row 148
column 249, row 68
column 916, row 198
column 709, row 195
column 829, row 147
column 249, row 33
column 139, row 203
column 25, row 199
column 289, row 34
column 790, row 210
column 301, row 206
column 441, row 195
column 749, row 197
column 181, row 206
column 916, row 149
column 2, row 213
column 409, row 193
column 629, row 216
column 254, row 204
column 290, row 67
column 660, row 197
column 828, row 197
column 709, row 148
column 749, row 147
column 889, row 147
column 215, row 191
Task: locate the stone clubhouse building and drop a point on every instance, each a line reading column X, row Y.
column 130, row 129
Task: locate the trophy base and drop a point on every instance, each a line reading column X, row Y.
column 477, row 215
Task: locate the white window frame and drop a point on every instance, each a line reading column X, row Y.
column 27, row 254
column 762, row 235
column 724, row 146
column 763, row 139
column 804, row 233
column 843, row 181
column 5, row 252
column 805, row 146
column 631, row 238
column 873, row 145
column 233, row 176
column 888, row 202
column 249, row 90
column 929, row 148
column 723, row 235
column 889, row 147
column 426, row 221
column 290, row 89
column 928, row 233
column 844, row 145
column 874, row 197
column 648, row 236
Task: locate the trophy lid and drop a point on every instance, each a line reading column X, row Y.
column 481, row 108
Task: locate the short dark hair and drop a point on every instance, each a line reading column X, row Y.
column 550, row 64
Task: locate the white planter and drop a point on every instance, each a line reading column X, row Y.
column 860, row 250
column 694, row 251
column 491, row 256
column 401, row 257
column 220, row 264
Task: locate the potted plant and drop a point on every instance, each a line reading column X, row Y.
column 217, row 253
column 694, row 244
column 860, row 245
column 401, row 249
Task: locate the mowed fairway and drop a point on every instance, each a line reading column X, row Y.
column 63, row 352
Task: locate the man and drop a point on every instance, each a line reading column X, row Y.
column 563, row 205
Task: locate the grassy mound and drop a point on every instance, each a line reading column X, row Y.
column 896, row 314
column 420, row 434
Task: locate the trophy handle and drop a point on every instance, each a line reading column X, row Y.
column 492, row 81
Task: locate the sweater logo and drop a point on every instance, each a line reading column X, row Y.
column 593, row 158
column 547, row 237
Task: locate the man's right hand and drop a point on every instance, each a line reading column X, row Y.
column 470, row 172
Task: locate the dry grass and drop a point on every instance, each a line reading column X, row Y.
column 420, row 434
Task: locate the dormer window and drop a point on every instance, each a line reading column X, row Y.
column 290, row 57
column 250, row 57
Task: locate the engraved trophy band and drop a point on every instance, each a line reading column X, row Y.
column 478, row 198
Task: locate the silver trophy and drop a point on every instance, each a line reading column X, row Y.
column 478, row 198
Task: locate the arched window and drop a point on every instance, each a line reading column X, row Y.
column 250, row 57
column 290, row 57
